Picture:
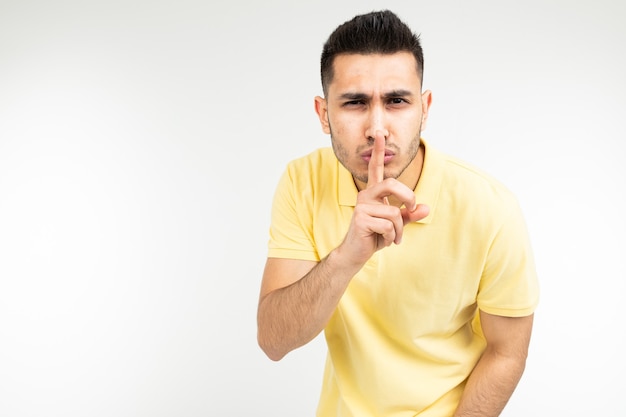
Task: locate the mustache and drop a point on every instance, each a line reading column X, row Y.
column 370, row 142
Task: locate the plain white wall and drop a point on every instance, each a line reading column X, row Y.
column 140, row 143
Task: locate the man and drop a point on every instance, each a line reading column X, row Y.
column 416, row 265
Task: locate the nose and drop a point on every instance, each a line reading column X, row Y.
column 376, row 123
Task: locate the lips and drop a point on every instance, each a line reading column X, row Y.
column 367, row 155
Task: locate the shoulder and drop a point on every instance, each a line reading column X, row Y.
column 467, row 179
column 313, row 161
column 317, row 168
column 460, row 190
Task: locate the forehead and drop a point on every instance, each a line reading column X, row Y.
column 364, row 72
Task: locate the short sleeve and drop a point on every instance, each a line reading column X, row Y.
column 509, row 284
column 290, row 228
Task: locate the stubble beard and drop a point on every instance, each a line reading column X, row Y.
column 343, row 155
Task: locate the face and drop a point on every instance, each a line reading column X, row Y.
column 370, row 95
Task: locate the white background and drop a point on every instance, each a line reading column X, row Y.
column 140, row 143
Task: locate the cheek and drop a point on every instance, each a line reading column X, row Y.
column 348, row 126
column 416, row 122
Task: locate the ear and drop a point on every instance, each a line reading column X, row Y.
column 427, row 99
column 321, row 108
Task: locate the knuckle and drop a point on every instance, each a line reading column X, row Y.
column 388, row 228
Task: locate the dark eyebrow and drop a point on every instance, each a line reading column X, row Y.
column 354, row 96
column 398, row 93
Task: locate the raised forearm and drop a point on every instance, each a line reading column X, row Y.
column 491, row 384
column 292, row 316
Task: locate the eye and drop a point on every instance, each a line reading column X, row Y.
column 397, row 101
column 353, row 103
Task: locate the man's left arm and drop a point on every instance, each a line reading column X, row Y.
column 499, row 369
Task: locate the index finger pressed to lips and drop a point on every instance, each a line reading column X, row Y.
column 376, row 166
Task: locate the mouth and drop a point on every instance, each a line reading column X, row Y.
column 367, row 156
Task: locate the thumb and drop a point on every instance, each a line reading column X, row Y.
column 420, row 212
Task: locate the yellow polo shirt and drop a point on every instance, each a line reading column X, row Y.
column 405, row 335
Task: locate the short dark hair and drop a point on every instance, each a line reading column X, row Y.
column 379, row 32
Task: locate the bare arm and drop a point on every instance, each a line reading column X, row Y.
column 291, row 316
column 298, row 297
column 500, row 368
